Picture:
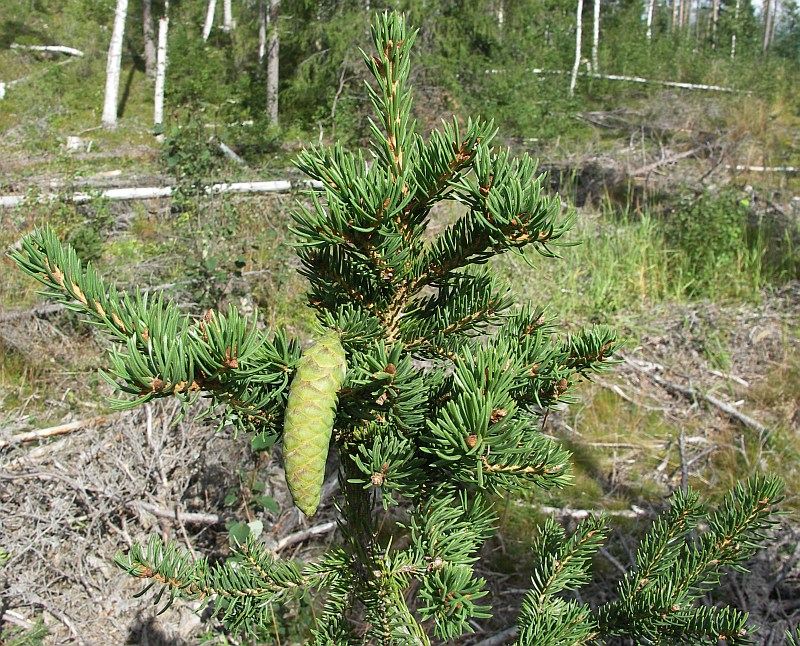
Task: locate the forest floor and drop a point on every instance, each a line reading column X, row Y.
column 708, row 392
column 70, row 503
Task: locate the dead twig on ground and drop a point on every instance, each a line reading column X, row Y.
column 61, row 429
column 500, row 638
column 304, row 535
column 696, row 395
column 187, row 517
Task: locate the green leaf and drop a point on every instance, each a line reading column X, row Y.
column 262, row 441
column 267, row 502
column 238, row 533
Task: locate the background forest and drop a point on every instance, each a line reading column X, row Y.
column 671, row 127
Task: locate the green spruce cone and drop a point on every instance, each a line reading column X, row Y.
column 308, row 424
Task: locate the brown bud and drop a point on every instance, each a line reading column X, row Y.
column 472, row 440
column 390, row 369
column 497, row 415
column 377, row 479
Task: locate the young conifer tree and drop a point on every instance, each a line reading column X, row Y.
column 430, row 385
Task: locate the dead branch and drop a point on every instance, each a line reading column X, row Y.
column 42, row 310
column 694, row 394
column 579, row 514
column 304, row 535
column 187, row 517
column 61, row 429
column 664, row 161
column 500, row 638
column 231, row 154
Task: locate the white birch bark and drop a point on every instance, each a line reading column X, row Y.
column 149, row 39
column 50, row 49
column 578, row 29
column 501, row 13
column 596, row 37
column 155, row 192
column 674, row 22
column 714, row 22
column 227, row 16
column 262, row 30
column 273, row 61
column 209, row 23
column 735, row 27
column 161, row 70
column 113, row 65
column 650, row 8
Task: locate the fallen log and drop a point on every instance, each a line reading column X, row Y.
column 158, row 192
column 51, row 49
column 645, row 81
column 763, row 169
column 638, row 79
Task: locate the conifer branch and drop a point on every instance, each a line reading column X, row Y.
column 435, row 437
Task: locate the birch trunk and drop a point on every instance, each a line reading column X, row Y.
column 113, row 65
column 596, row 37
column 262, row 30
column 578, row 29
column 209, row 23
column 149, row 39
column 227, row 16
column 714, row 22
column 735, row 27
column 501, row 13
column 674, row 22
column 650, row 9
column 273, row 61
column 161, row 69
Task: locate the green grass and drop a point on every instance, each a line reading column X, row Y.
column 630, row 263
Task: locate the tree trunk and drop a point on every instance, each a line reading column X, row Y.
column 772, row 22
column 714, row 22
column 227, row 16
column 578, row 29
column 767, row 18
column 262, row 30
column 113, row 65
column 209, row 23
column 650, row 9
column 674, row 23
column 161, row 69
column 149, row 39
column 596, row 37
column 501, row 13
column 273, row 61
column 735, row 28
